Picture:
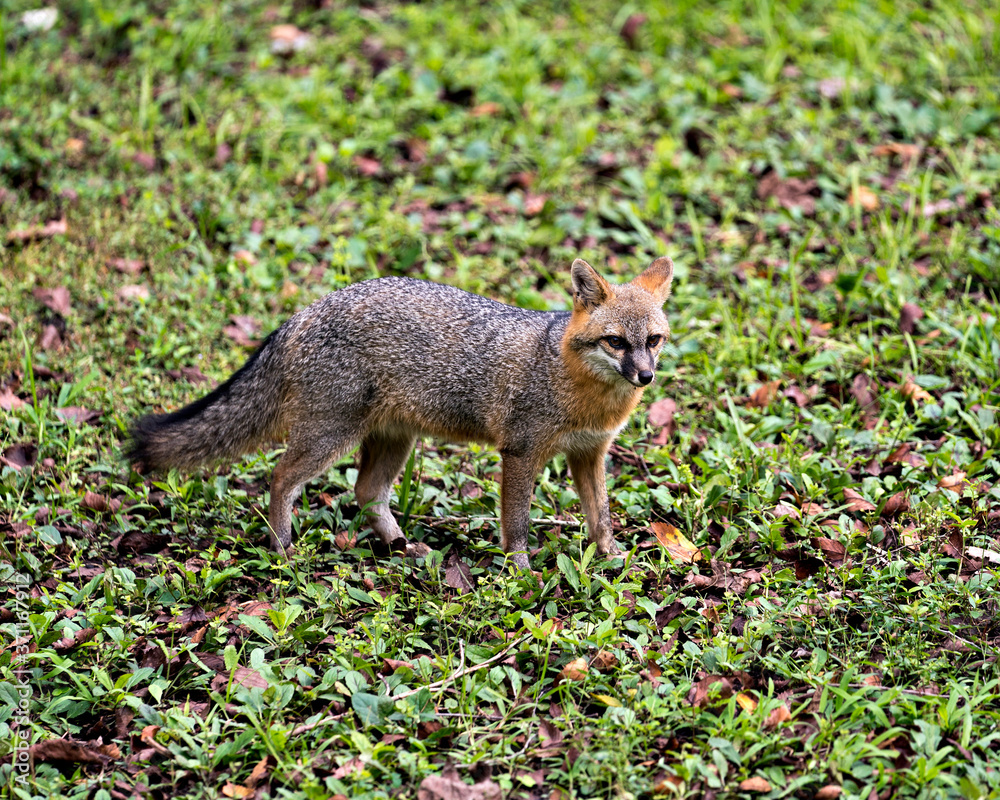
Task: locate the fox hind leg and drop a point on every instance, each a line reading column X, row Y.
column 383, row 454
column 305, row 457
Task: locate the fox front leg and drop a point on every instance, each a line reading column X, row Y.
column 587, row 469
column 517, row 485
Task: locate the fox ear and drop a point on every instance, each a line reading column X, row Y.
column 589, row 288
column 657, row 278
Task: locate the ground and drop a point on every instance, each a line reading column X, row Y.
column 807, row 497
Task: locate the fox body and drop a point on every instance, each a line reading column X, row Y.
column 384, row 361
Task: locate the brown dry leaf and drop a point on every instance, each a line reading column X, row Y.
column 145, row 160
column 905, row 152
column 812, row 509
column 864, row 197
column 255, row 608
column 604, row 661
column 56, row 299
column 449, row 786
column 235, row 790
column 534, row 203
column 369, row 167
column 575, row 670
column 8, row 400
column 779, row 716
column 100, row 503
column 829, row 792
column 244, row 257
column 677, row 545
column 56, row 227
column 908, row 316
column 81, row 416
column 911, row 391
column 78, row 638
column 243, row 330
column 148, row 737
column 458, row 574
column 487, row 109
column 899, row 503
column 746, row 702
column 630, row 30
column 661, row 413
column 855, row 502
column 19, row 456
column 668, row 784
column 257, row 774
column 764, row 395
column 755, row 784
column 955, row 482
column 549, row 734
column 786, row 510
column 288, row 39
column 245, row 676
column 833, row 551
column 50, row 339
column 132, row 292
column 61, row 750
column 128, row 266
column 797, row 396
column 903, row 455
column 710, row 686
column 345, row 541
column 790, row 194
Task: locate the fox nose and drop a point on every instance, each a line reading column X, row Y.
column 645, row 377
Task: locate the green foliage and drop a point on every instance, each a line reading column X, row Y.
column 824, row 176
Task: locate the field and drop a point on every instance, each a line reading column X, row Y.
column 808, row 496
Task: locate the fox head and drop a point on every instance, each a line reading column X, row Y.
column 617, row 331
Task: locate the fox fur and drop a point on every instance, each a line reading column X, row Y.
column 382, row 362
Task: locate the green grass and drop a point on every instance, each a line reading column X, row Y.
column 848, row 643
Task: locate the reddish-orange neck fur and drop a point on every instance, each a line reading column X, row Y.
column 590, row 402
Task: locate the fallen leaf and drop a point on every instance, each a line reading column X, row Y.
column 449, row 786
column 235, row 790
column 797, row 396
column 746, row 702
column 908, row 316
column 855, row 502
column 864, row 197
column 78, row 637
column 911, row 391
column 62, row 750
column 905, row 152
column 832, row 550
column 779, row 716
column 829, row 792
column 549, row 734
column 458, row 575
column 677, row 545
column 755, row 784
column 8, row 400
column 764, row 395
column 257, row 774
column 128, row 266
column 786, row 510
column 575, row 670
column 99, row 503
column 244, row 257
column 661, row 414
column 604, row 661
column 50, row 339
column 712, row 686
column 831, row 88
column 288, row 39
column 56, row 227
column 955, row 482
column 77, row 414
column 19, row 456
column 243, row 330
column 56, row 299
column 630, row 30
column 791, row 193
column 487, row 109
column 534, row 203
column 369, row 167
column 899, row 503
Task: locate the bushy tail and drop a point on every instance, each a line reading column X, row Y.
column 236, row 418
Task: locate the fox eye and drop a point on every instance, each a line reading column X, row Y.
column 654, row 340
column 617, row 342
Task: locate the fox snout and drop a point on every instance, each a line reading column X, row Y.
column 637, row 367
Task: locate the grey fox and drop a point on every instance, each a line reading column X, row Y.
column 387, row 360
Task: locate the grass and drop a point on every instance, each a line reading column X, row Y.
column 807, row 607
